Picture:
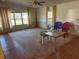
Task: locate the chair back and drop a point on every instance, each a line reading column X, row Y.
column 57, row 25
column 66, row 26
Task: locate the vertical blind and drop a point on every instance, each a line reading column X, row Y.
column 4, row 20
column 0, row 23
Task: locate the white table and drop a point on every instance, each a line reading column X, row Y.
column 54, row 34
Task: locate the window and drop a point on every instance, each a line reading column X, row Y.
column 0, row 25
column 49, row 15
column 25, row 18
column 19, row 18
column 12, row 19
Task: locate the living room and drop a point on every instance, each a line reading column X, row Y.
column 27, row 29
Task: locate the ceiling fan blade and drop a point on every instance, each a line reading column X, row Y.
column 42, row 2
column 35, row 3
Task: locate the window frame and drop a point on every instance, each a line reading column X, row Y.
column 48, row 10
column 21, row 18
column 54, row 13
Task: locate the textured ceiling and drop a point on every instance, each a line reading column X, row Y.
column 30, row 2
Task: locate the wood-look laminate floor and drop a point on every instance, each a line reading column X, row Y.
column 15, row 46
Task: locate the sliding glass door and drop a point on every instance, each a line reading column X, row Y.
column 51, row 15
column 50, row 19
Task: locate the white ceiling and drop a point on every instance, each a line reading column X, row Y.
column 30, row 2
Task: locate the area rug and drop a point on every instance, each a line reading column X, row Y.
column 30, row 41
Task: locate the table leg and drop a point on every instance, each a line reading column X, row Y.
column 49, row 38
column 42, row 40
column 64, row 37
column 55, row 45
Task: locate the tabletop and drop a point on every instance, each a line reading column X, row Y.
column 54, row 33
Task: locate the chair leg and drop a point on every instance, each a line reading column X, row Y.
column 42, row 39
column 64, row 36
column 49, row 38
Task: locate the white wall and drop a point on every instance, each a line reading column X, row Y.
column 41, row 16
column 65, row 12
column 68, row 12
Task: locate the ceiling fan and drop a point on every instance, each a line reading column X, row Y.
column 40, row 3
